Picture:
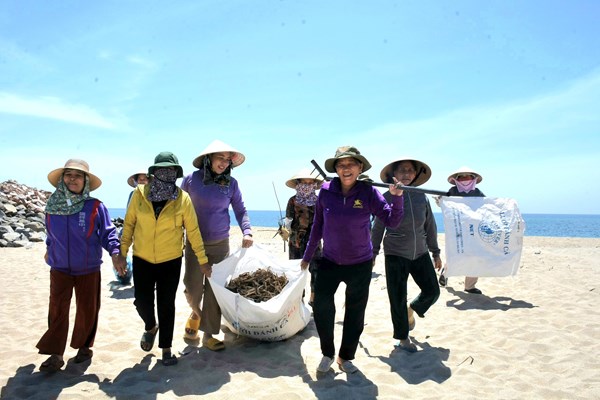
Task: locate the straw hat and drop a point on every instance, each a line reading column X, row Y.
column 464, row 171
column 219, row 147
column 166, row 159
column 346, row 152
column 422, row 176
column 80, row 165
column 304, row 173
column 133, row 178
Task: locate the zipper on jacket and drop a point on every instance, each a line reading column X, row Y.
column 412, row 213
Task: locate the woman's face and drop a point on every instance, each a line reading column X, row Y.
column 220, row 162
column 465, row 178
column 348, row 170
column 142, row 179
column 405, row 172
column 307, row 181
column 74, row 180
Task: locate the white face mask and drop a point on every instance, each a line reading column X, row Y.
column 465, row 186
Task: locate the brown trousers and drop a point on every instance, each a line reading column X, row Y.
column 87, row 299
column 197, row 288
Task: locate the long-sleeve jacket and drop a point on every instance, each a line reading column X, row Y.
column 74, row 242
column 344, row 222
column 211, row 203
column 159, row 240
column 416, row 234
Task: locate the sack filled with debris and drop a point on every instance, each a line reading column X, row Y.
column 275, row 316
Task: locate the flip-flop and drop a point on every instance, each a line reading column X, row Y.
column 52, row 364
column 192, row 325
column 214, row 344
column 148, row 337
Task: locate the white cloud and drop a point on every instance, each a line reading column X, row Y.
column 53, row 108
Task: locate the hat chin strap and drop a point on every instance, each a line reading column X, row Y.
column 421, row 170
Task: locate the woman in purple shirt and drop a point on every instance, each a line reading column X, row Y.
column 212, row 190
column 343, row 220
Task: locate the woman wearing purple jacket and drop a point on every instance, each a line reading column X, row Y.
column 78, row 227
column 212, row 190
column 343, row 220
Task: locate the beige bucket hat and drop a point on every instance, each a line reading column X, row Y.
column 346, row 152
column 219, row 147
column 464, row 171
column 133, row 178
column 423, row 171
column 80, row 165
column 304, row 173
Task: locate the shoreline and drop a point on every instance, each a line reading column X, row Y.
column 533, row 333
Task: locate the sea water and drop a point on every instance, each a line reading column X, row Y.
column 553, row 225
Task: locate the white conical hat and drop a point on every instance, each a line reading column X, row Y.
column 219, row 147
column 464, row 171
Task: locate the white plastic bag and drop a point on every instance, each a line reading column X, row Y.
column 279, row 318
column 484, row 236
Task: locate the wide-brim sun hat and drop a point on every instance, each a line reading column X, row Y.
column 55, row 175
column 304, row 173
column 133, row 178
column 346, row 152
column 464, row 171
column 166, row 159
column 423, row 172
column 216, row 146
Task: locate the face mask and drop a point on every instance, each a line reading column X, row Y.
column 305, row 189
column 465, row 186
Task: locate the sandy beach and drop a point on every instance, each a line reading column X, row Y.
column 533, row 336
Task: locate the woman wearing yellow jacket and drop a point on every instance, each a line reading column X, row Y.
column 156, row 218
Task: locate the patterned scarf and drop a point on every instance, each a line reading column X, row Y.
column 211, row 177
column 162, row 186
column 305, row 194
column 65, row 202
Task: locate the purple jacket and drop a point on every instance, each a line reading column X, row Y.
column 75, row 241
column 344, row 223
column 212, row 202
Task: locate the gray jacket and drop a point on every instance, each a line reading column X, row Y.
column 416, row 234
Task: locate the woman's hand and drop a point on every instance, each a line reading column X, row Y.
column 395, row 188
column 303, row 265
column 437, row 262
column 206, row 269
column 119, row 264
column 247, row 241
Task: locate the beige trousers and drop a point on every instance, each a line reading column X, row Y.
column 198, row 292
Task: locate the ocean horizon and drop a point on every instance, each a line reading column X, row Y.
column 551, row 225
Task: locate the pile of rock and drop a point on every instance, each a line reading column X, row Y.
column 21, row 214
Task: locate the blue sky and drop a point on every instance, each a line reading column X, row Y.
column 509, row 88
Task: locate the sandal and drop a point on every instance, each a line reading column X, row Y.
column 191, row 328
column 148, row 337
column 169, row 359
column 52, row 364
column 84, row 354
column 214, row 344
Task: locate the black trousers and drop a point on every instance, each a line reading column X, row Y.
column 357, row 278
column 164, row 278
column 397, row 270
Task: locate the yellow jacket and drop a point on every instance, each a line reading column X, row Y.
column 160, row 240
